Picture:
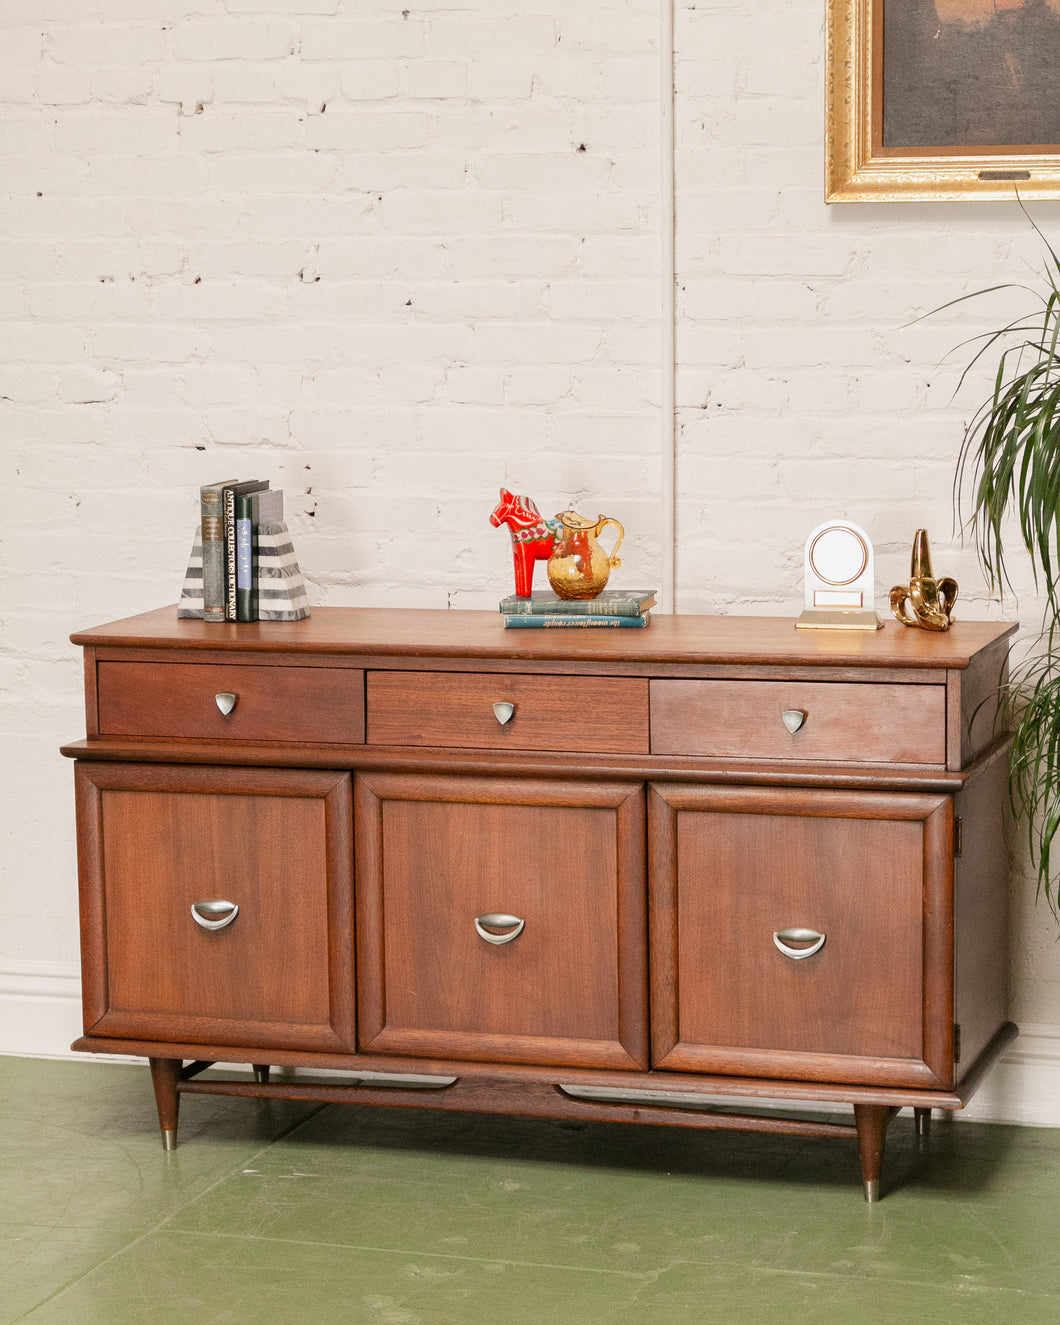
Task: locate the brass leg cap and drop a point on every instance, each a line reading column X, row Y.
column 872, row 1191
column 169, row 1140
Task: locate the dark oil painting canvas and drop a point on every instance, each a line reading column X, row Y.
column 971, row 73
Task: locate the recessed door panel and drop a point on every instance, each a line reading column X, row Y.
column 224, row 899
column 799, row 933
column 501, row 919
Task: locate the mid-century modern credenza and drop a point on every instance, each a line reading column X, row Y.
column 634, row 875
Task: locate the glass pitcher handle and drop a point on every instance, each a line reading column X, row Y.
column 613, row 559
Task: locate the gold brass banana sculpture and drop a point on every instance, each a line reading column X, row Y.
column 924, row 601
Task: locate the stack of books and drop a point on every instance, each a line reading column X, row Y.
column 610, row 609
column 242, row 565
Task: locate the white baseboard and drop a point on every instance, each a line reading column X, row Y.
column 40, row 1015
column 40, row 1009
column 1023, row 1086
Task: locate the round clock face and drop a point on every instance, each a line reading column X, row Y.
column 838, row 555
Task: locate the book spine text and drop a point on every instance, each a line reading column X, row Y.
column 537, row 621
column 213, row 577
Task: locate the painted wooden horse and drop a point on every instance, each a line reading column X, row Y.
column 532, row 536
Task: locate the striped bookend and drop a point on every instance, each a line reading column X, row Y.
column 281, row 593
column 278, row 579
column 190, row 604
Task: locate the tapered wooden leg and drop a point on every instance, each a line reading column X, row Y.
column 165, row 1073
column 261, row 1073
column 872, row 1121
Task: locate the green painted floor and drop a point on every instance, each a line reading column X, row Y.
column 284, row 1213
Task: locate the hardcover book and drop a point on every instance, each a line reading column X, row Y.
column 252, row 510
column 229, row 496
column 213, row 571
column 609, row 602
column 568, row 621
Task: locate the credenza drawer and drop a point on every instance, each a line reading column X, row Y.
column 865, row 722
column 316, row 704
column 599, row 715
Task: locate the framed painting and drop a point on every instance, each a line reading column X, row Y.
column 942, row 99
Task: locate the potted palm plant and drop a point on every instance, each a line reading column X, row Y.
column 1009, row 466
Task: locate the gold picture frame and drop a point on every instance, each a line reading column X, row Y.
column 859, row 167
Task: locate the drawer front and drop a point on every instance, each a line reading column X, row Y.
column 588, row 714
column 320, row 704
column 869, row 723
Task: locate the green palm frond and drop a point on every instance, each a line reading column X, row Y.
column 1009, row 465
column 1010, row 455
column 1034, row 766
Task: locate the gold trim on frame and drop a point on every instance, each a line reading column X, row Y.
column 859, row 169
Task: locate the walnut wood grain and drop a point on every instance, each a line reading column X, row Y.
column 324, row 705
column 682, row 639
column 761, row 1089
column 733, row 867
column 565, row 857
column 877, row 723
column 981, row 909
column 539, row 1100
column 979, row 690
column 277, row 843
column 89, row 673
column 165, row 1076
column 872, row 1123
column 588, row 715
column 666, row 768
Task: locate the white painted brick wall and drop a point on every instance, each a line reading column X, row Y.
column 395, row 255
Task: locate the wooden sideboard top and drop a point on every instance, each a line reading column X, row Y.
column 415, row 632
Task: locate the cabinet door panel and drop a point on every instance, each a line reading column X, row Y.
column 437, row 853
column 275, row 843
column 870, row 873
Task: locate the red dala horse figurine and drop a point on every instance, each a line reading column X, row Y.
column 533, row 536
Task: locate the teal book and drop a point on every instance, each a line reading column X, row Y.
column 610, row 602
column 568, row 621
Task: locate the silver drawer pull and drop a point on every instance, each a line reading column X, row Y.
column 226, row 702
column 511, row 923
column 214, row 914
column 504, row 711
column 782, row 937
column 793, row 719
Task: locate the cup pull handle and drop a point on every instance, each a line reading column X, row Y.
column 504, row 711
column 226, row 702
column 214, row 914
column 512, row 924
column 782, row 937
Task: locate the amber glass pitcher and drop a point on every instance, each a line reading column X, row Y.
column 579, row 566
